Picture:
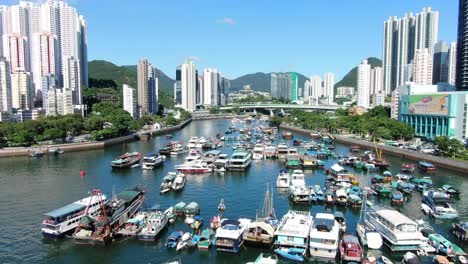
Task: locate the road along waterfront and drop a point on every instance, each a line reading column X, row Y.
column 31, row 187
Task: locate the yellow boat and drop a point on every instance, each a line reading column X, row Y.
column 354, row 180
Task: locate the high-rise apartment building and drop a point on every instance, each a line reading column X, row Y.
column 401, row 38
column 178, row 86
column 452, row 63
column 46, row 38
column 20, row 90
column 211, row 87
column 462, row 46
column 147, row 88
column 188, row 86
column 422, row 71
column 376, row 80
column 363, row 84
column 130, row 100
column 280, row 85
column 5, row 86
column 329, row 86
column 440, row 63
column 293, row 86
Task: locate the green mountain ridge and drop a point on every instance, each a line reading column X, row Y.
column 350, row 79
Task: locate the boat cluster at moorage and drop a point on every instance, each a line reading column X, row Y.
column 297, row 235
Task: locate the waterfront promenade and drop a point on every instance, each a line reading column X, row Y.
column 26, row 151
column 457, row 165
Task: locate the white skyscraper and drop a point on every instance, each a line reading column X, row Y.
column 452, row 63
column 422, row 71
column 130, row 100
column 71, row 78
column 401, row 37
column 20, row 89
column 363, row 84
column 307, row 89
column 188, row 83
column 5, row 85
column 376, row 80
column 64, row 101
column 328, row 86
column 211, row 87
column 316, row 88
column 50, row 102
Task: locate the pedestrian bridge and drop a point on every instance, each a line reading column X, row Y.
column 268, row 106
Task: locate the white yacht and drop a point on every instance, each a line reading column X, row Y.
column 155, row 222
column 300, row 194
column 239, row 160
column 152, row 161
column 282, row 151
column 398, row 231
column 201, row 141
column 179, row 182
column 230, row 235
column 324, row 236
column 258, row 151
column 221, row 162
column 283, row 180
column 269, row 152
column 64, row 220
column 177, row 149
column 193, row 154
column 192, row 143
column 297, row 178
column 293, row 230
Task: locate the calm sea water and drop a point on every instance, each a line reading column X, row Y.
column 30, row 187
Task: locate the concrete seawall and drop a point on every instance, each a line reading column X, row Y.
column 25, row 151
column 456, row 165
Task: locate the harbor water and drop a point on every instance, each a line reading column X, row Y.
column 30, row 187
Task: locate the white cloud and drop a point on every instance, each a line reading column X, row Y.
column 226, row 20
column 194, row 58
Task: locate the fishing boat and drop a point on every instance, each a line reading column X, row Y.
column 339, row 217
column 258, row 152
column 398, row 231
column 179, row 182
column 206, row 238
column 354, row 200
column 133, row 225
column 324, row 236
column 152, row 160
column 287, row 135
column 426, row 167
column 126, row 160
column 397, row 197
column 194, row 167
column 403, row 177
column 292, row 235
column 451, row 191
column 407, row 168
column 63, row 221
column 440, row 204
column 283, row 180
column 215, row 222
column 460, row 230
column 197, row 222
column 308, row 161
column 192, row 209
column 329, row 197
column 184, row 241
column 382, row 189
column 100, row 229
column 293, row 161
column 221, row 162
column 178, row 209
column 156, row 221
column 350, row 249
column 173, row 239
column 166, row 183
column 341, row 197
column 230, row 235
column 354, row 148
column 423, row 183
column 444, row 246
column 282, row 151
column 195, row 240
column 269, row 152
column 222, row 206
column 318, row 193
column 265, row 259
column 259, row 233
column 240, row 160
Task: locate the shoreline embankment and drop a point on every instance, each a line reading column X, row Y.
column 451, row 164
column 26, row 151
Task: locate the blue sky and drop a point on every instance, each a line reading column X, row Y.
column 240, row 37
